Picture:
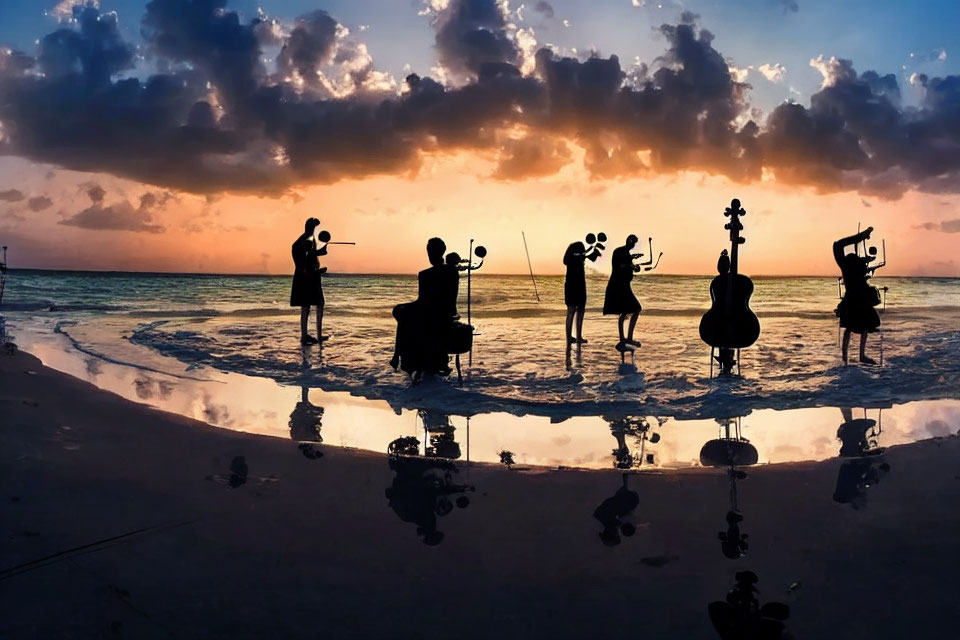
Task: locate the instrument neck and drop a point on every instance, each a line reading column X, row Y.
column 735, row 242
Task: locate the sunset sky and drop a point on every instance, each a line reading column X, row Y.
column 197, row 135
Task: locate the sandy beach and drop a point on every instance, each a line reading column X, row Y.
column 309, row 547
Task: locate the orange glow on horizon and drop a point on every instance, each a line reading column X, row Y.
column 789, row 230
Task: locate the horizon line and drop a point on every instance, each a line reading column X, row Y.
column 375, row 273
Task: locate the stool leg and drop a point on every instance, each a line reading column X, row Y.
column 459, row 370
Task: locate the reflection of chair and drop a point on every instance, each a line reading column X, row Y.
column 860, row 436
column 639, row 428
column 438, row 433
column 864, row 464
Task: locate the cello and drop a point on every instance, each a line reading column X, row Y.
column 730, row 324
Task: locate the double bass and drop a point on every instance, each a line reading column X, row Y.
column 730, row 324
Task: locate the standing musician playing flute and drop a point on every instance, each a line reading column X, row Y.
column 307, row 288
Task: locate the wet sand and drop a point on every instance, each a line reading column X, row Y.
column 311, row 548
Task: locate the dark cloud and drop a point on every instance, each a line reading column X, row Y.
column 472, row 34
column 310, row 44
column 531, row 156
column 947, row 226
column 122, row 216
column 95, row 192
column 213, row 118
column 11, row 195
column 789, row 6
column 39, row 203
column 544, row 8
column 95, row 50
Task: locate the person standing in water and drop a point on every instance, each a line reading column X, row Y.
column 856, row 310
column 619, row 299
column 575, row 287
column 307, row 288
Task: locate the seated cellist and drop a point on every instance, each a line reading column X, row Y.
column 422, row 325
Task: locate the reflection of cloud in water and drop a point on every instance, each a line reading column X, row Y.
column 216, row 414
column 938, row 429
column 93, row 366
column 148, row 388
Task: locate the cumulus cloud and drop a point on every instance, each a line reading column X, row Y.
column 11, row 195
column 833, row 70
column 63, row 11
column 473, row 34
column 216, row 117
column 772, row 72
column 936, row 55
column 122, row 216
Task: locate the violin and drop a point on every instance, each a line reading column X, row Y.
column 730, row 323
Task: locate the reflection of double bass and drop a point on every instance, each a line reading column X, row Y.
column 730, row 324
column 731, row 450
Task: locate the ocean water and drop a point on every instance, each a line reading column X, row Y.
column 185, row 324
column 224, row 350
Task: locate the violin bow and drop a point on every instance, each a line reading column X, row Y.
column 530, row 266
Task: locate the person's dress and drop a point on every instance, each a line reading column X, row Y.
column 619, row 297
column 575, row 284
column 307, row 287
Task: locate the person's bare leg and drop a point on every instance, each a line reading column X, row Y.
column 580, row 312
column 863, row 350
column 846, row 344
column 304, row 317
column 320, row 323
column 620, row 321
column 570, row 313
column 633, row 325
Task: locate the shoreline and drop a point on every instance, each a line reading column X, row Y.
column 307, row 547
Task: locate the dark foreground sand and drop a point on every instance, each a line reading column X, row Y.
column 309, row 548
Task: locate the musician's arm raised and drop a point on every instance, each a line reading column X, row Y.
column 840, row 245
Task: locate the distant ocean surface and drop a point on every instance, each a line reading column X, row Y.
column 181, row 324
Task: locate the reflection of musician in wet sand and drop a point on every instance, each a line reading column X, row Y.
column 619, row 299
column 740, row 616
column 575, row 287
column 865, row 464
column 422, row 488
column 423, row 326
column 612, row 512
column 306, row 420
column 856, row 311
column 307, row 289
